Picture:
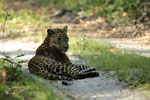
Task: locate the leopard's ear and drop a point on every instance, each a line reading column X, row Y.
column 50, row 31
column 65, row 28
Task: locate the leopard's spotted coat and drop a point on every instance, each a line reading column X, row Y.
column 52, row 63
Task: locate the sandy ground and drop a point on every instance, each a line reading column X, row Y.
column 103, row 87
column 134, row 45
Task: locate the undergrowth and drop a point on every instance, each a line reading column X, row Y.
column 128, row 66
column 18, row 85
column 33, row 22
column 25, row 22
column 114, row 10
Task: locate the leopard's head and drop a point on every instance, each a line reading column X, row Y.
column 58, row 39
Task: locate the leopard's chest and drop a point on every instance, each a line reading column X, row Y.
column 59, row 57
column 54, row 54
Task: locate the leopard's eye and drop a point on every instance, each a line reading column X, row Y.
column 58, row 38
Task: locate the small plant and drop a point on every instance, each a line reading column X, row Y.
column 13, row 67
column 82, row 43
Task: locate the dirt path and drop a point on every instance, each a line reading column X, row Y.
column 103, row 87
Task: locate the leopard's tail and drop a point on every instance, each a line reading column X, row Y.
column 81, row 71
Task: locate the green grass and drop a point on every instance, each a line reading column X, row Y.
column 25, row 22
column 27, row 89
column 129, row 67
column 21, row 86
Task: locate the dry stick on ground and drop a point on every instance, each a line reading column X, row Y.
column 3, row 72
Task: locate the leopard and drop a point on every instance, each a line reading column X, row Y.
column 51, row 61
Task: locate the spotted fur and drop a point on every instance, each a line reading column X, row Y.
column 52, row 63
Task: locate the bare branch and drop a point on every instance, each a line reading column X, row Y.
column 6, row 18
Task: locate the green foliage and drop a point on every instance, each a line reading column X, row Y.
column 129, row 67
column 60, row 3
column 27, row 89
column 29, row 22
column 82, row 43
column 20, row 85
column 13, row 67
column 130, row 9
